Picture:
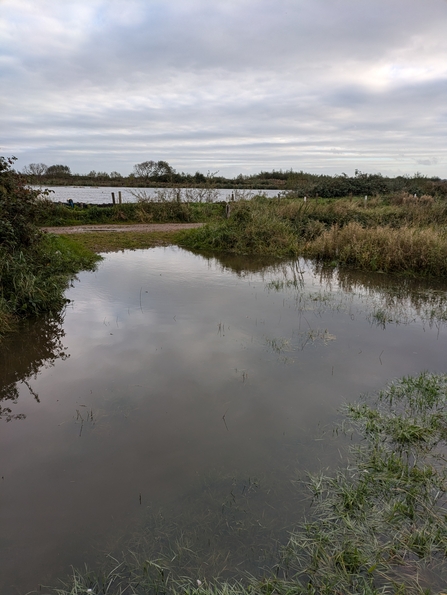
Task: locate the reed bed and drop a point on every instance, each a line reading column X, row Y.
column 423, row 251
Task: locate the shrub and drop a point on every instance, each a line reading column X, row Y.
column 34, row 267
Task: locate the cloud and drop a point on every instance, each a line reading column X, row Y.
column 228, row 85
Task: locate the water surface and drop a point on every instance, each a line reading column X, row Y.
column 182, row 395
column 103, row 194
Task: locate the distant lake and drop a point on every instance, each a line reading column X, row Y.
column 103, row 194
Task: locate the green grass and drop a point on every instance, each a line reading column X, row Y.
column 143, row 211
column 33, row 279
column 109, row 241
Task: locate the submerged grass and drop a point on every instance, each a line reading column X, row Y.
column 379, row 526
column 114, row 241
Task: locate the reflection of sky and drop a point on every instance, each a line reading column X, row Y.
column 163, row 344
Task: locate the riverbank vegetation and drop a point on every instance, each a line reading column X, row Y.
column 377, row 525
column 400, row 233
column 34, row 267
column 394, row 233
column 167, row 209
column 161, row 174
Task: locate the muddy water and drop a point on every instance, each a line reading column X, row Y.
column 182, row 395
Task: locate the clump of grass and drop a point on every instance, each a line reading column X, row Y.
column 33, row 279
column 380, row 525
column 421, row 251
column 251, row 229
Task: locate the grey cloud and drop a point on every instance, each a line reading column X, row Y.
column 226, row 83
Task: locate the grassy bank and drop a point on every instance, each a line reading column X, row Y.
column 142, row 211
column 376, row 526
column 398, row 233
column 33, row 281
column 34, row 268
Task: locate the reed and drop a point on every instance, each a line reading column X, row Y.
column 403, row 250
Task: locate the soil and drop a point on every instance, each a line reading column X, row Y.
column 140, row 227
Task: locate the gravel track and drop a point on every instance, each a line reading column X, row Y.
column 140, row 227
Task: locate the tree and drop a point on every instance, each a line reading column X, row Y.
column 35, row 169
column 152, row 169
column 58, row 171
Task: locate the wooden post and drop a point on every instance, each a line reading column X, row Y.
column 227, row 210
column 119, row 197
column 113, row 197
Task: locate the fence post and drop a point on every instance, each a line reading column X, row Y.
column 113, row 197
column 119, row 197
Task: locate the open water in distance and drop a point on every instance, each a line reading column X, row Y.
column 103, row 194
column 173, row 404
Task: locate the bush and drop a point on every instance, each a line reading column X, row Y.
column 34, row 267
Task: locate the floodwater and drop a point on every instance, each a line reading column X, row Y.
column 178, row 399
column 103, row 194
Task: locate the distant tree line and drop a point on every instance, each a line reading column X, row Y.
column 161, row 173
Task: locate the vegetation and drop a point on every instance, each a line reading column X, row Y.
column 159, row 173
column 397, row 233
column 142, row 210
column 112, row 241
column 34, row 267
column 379, row 526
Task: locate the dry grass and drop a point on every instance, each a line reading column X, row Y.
column 422, row 251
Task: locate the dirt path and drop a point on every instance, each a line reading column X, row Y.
column 140, row 227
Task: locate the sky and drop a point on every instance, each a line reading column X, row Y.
column 234, row 86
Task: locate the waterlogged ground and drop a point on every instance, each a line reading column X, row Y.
column 177, row 403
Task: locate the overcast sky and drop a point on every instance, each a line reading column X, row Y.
column 239, row 86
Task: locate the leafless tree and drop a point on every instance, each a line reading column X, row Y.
column 152, row 169
column 35, row 169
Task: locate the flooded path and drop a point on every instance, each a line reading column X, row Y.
column 180, row 397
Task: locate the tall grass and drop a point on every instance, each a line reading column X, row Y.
column 251, row 229
column 33, row 279
column 408, row 237
column 423, row 251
